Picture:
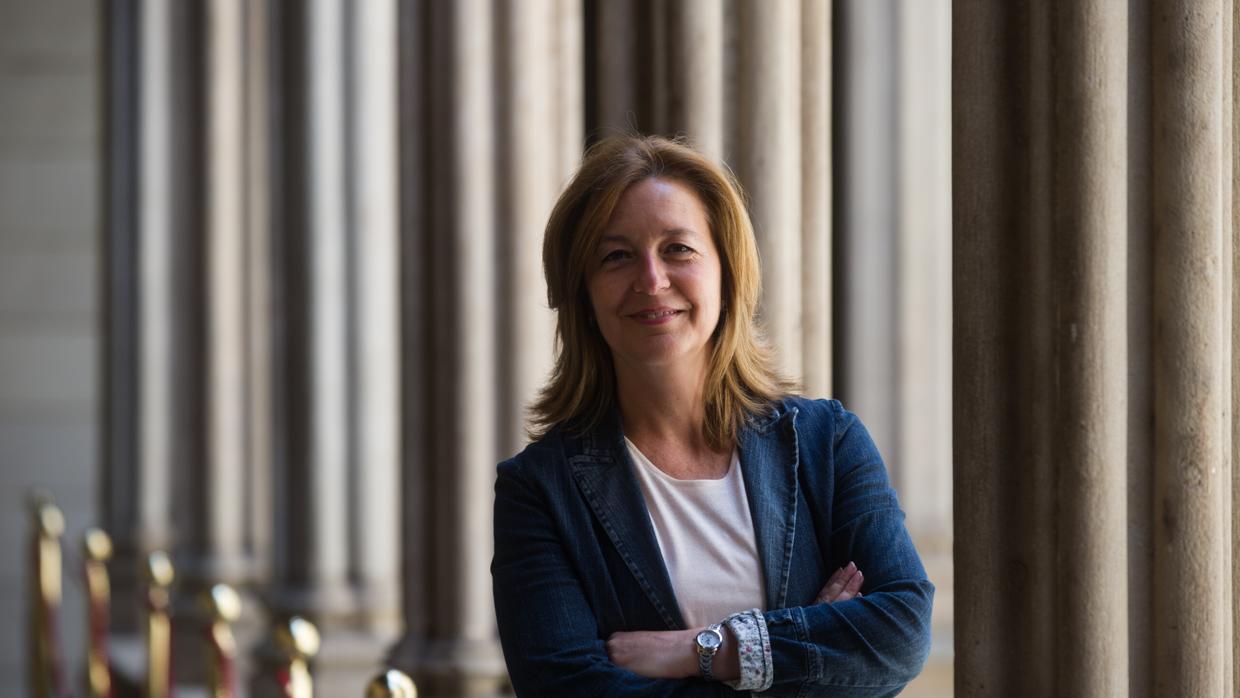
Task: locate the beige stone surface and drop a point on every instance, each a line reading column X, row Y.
column 48, row 296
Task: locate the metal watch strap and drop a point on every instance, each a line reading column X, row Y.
column 705, row 658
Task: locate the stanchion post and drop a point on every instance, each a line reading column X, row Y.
column 46, row 672
column 223, row 606
column 159, row 575
column 298, row 641
column 96, row 551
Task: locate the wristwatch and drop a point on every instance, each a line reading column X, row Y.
column 707, row 643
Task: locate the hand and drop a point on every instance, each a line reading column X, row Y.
column 844, row 585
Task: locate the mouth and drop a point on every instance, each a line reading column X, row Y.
column 655, row 316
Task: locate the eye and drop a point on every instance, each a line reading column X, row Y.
column 615, row 256
column 677, row 248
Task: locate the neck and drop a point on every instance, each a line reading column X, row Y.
column 663, row 403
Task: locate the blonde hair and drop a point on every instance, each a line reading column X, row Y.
column 742, row 381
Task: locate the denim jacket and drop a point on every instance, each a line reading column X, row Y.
column 576, row 560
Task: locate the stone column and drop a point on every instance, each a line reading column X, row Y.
column 920, row 455
column 1191, row 165
column 1090, row 340
column 768, row 156
column 1091, row 193
column 893, row 365
column 869, row 215
column 120, row 420
column 147, row 232
column 462, row 656
column 531, row 180
column 375, row 255
column 211, row 519
column 337, row 515
column 218, row 536
column 616, row 40
column 504, row 107
column 816, row 212
column 260, row 278
column 157, row 291
column 695, row 63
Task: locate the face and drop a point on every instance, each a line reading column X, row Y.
column 655, row 281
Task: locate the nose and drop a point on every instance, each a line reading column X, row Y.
column 651, row 275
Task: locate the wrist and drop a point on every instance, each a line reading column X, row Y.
column 727, row 660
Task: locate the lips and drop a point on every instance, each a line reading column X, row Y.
column 655, row 316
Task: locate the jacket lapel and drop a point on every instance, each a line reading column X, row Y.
column 601, row 468
column 769, row 462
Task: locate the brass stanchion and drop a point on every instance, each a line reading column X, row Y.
column 46, row 672
column 159, row 576
column 298, row 641
column 392, row 684
column 97, row 550
column 224, row 607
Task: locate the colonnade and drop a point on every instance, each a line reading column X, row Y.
column 325, row 300
column 1094, row 362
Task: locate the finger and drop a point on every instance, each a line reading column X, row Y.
column 836, row 584
column 852, row 588
column 823, row 594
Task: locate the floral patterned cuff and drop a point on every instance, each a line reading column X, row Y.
column 753, row 647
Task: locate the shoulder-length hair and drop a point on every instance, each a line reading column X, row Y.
column 742, row 381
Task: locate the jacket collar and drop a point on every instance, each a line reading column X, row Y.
column 603, row 470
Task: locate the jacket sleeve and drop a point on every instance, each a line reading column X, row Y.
column 547, row 629
column 872, row 645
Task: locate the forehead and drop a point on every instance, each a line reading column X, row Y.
column 654, row 205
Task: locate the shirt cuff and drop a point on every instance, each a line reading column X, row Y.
column 753, row 648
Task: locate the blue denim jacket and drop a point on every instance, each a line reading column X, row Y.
column 576, row 560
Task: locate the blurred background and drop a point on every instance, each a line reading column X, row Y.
column 271, row 296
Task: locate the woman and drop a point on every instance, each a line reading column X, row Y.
column 681, row 524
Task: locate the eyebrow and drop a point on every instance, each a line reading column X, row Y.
column 666, row 232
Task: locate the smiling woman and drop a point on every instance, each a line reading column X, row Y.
column 682, row 524
column 655, row 289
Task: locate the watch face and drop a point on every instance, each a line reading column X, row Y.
column 709, row 640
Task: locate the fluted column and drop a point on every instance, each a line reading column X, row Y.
column 337, row 486
column 1093, row 355
column 616, row 87
column 157, row 217
column 462, row 655
column 1190, row 368
column 768, row 161
column 505, row 106
column 260, row 279
column 149, row 308
column 376, row 303
column 1234, row 242
column 816, row 208
column 1090, row 335
column 530, row 182
column 218, row 538
column 312, row 518
column 211, row 521
column 695, row 62
column 869, row 217
column 919, row 456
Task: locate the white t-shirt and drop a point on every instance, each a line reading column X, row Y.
column 705, row 532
